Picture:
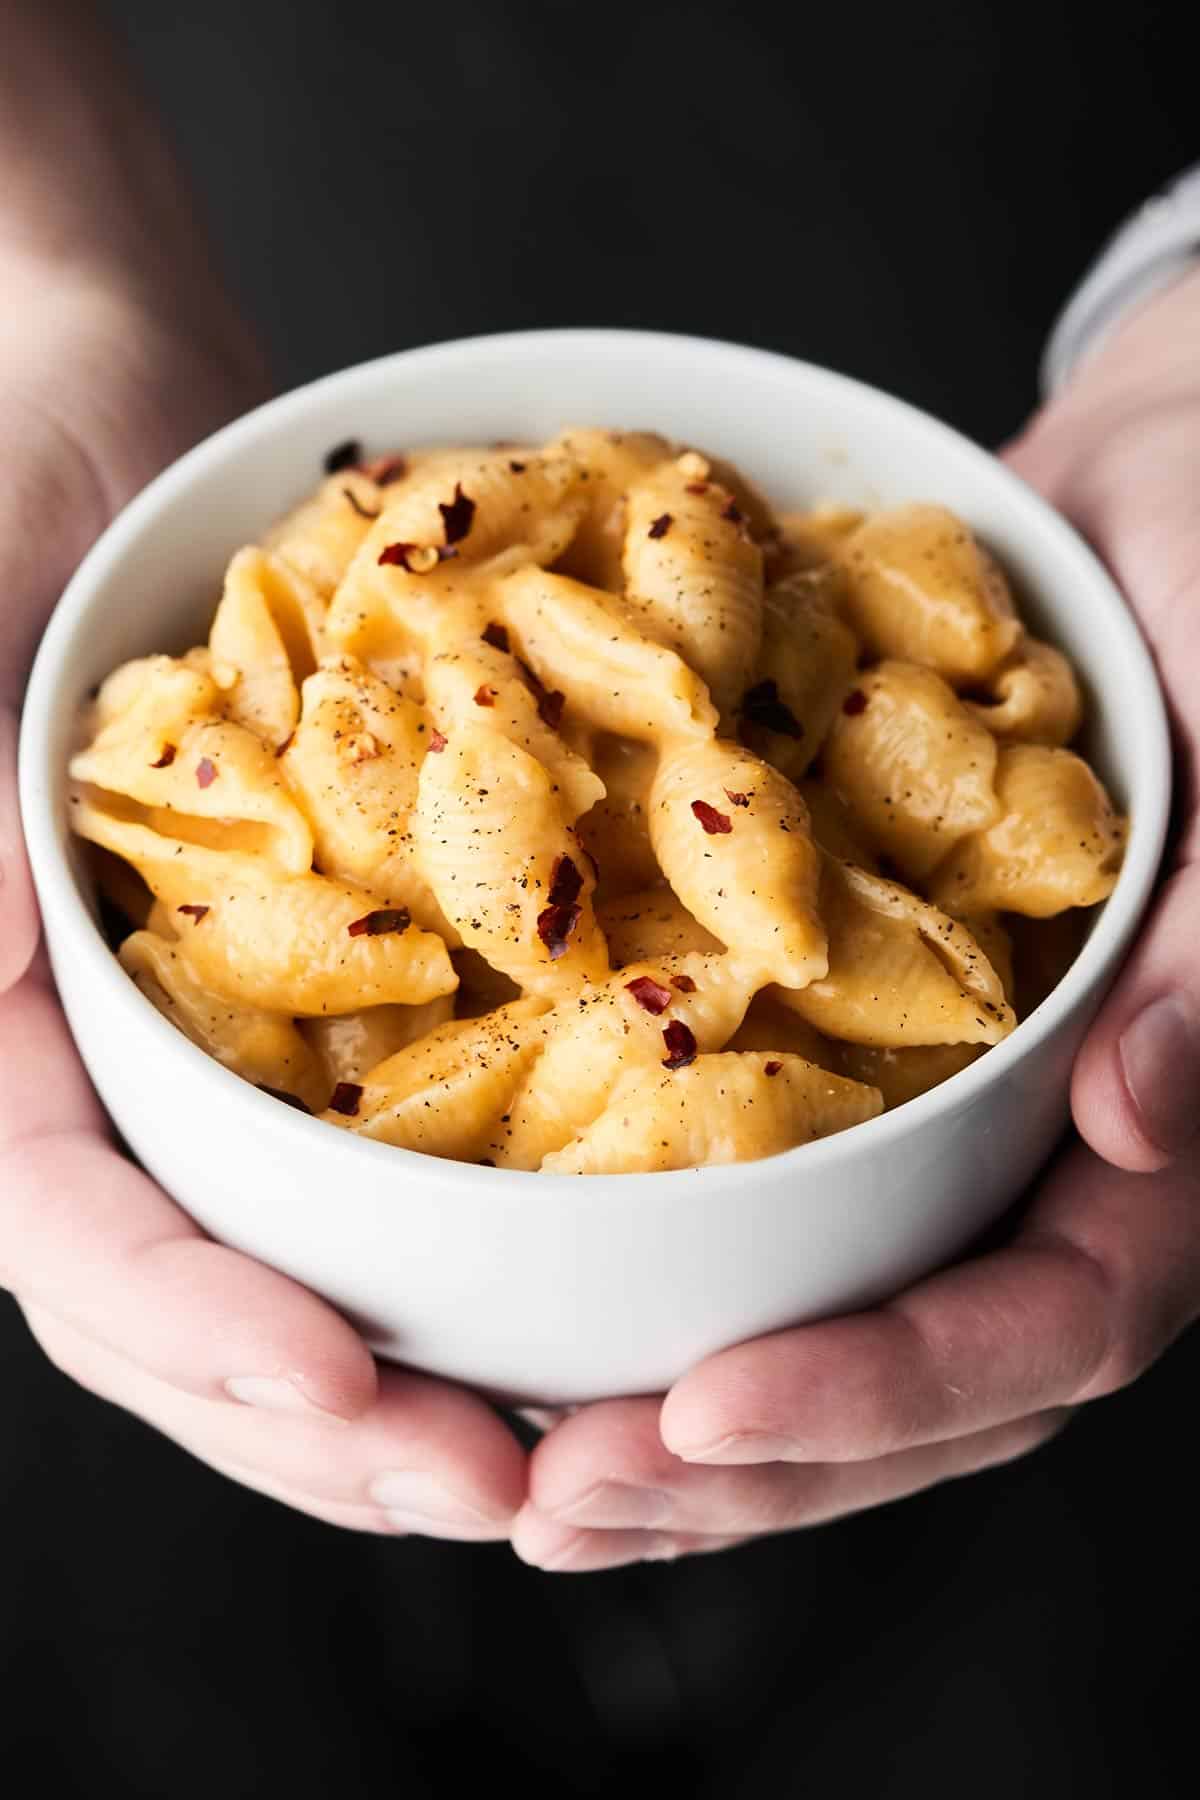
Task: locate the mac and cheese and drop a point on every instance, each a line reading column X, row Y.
column 563, row 808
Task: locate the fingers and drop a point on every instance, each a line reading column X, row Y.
column 426, row 1457
column 86, row 1235
column 18, row 908
column 1136, row 1086
column 1102, row 1276
column 604, row 1489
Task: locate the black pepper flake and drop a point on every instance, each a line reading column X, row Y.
column 457, row 515
column 343, row 456
column 518, row 468
column 761, row 705
column 345, row 1098
column 681, row 1045
column 660, row 526
column 384, row 920
column 364, row 512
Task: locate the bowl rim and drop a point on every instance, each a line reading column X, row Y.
column 59, row 893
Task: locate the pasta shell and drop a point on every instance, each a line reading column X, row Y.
column 507, row 870
column 351, row 1044
column 445, row 1094
column 921, row 588
column 733, row 839
column 265, row 639
column 1057, row 843
column 652, row 923
column 913, row 766
column 616, row 830
column 805, row 665
column 611, row 462
column 260, row 1046
column 902, row 1075
column 694, row 577
column 900, row 972
column 722, row 1109
column 1032, row 698
column 319, row 538
column 591, row 646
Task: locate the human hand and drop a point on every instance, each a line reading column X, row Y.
column 242, row 1367
column 982, row 1362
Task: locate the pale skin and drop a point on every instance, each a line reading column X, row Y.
column 118, row 349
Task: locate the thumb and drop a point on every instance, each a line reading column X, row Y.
column 18, row 908
column 1136, row 1087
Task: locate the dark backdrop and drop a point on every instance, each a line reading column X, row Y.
column 906, row 193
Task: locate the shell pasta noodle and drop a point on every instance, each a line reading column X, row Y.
column 566, row 808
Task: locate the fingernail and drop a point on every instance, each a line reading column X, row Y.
column 415, row 1498
column 274, row 1393
column 742, row 1447
column 586, row 1552
column 618, row 1504
column 1160, row 1059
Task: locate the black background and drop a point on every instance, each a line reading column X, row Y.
column 907, row 194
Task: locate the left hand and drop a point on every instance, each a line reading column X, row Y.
column 982, row 1362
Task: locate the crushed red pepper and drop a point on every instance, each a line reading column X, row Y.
column 660, row 526
column 497, row 636
column 485, row 695
column 761, row 705
column 437, row 741
column 364, row 512
column 772, row 1068
column 457, row 515
column 715, row 823
column 684, row 983
column 681, row 1045
column 650, row 995
column 166, row 759
column 737, row 799
column 206, row 772
column 558, row 920
column 379, row 923
column 854, row 703
column 345, row 1098
column 343, row 456
column 194, row 913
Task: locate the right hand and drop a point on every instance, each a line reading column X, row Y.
column 241, row 1366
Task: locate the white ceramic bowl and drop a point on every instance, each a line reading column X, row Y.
column 556, row 1288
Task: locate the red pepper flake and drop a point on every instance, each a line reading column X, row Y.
column 496, row 636
column 282, row 1094
column 761, row 705
column 485, row 695
column 772, row 1068
column 457, row 515
column 206, row 772
column 684, row 983
column 364, row 512
column 378, row 924
column 345, row 1098
column 681, row 1045
column 194, row 913
column 518, row 468
column 286, row 745
column 854, row 703
column 550, row 707
column 733, row 513
column 557, row 921
column 383, row 470
column 343, row 456
column 661, row 526
column 418, row 559
column 737, row 799
column 696, row 487
column 166, row 759
column 715, row 823
column 650, row 995
column 437, row 741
